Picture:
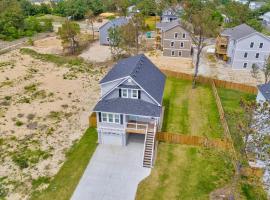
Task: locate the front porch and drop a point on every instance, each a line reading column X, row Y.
column 139, row 125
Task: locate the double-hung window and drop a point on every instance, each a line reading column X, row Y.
column 257, row 55
column 261, row 45
column 117, row 118
column 245, row 55
column 251, row 44
column 125, row 93
column 175, row 35
column 134, row 94
column 172, row 44
column 181, row 44
column 110, row 118
column 184, row 35
column 104, row 117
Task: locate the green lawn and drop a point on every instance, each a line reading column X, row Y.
column 184, row 172
column 150, row 21
column 190, row 111
column 66, row 180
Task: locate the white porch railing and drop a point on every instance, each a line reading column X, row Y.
column 137, row 126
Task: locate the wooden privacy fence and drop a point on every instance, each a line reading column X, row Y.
column 208, row 80
column 93, row 120
column 192, row 140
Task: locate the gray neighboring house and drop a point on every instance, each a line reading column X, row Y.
column 255, row 5
column 171, row 14
column 131, row 103
column 266, row 19
column 175, row 40
column 263, row 93
column 104, row 29
column 245, row 47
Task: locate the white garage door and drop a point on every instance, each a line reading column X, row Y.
column 111, row 138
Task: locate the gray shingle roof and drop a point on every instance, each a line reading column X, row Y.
column 238, row 32
column 265, row 90
column 171, row 25
column 143, row 71
column 116, row 22
column 128, row 106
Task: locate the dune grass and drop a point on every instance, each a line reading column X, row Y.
column 190, row 111
column 66, row 180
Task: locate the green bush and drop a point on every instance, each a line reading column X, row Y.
column 19, row 123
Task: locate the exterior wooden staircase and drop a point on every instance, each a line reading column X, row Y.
column 149, row 147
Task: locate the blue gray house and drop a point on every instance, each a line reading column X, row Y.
column 131, row 103
column 171, row 14
column 104, row 29
column 263, row 93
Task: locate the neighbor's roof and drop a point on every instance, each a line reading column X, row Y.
column 238, row 32
column 143, row 71
column 128, row 106
column 171, row 25
column 116, row 22
column 265, row 90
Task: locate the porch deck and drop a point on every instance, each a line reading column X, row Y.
column 139, row 127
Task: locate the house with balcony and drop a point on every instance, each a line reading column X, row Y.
column 242, row 46
column 131, row 103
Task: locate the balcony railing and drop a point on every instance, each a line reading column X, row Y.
column 138, row 127
column 222, row 40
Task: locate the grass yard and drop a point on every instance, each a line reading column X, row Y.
column 150, row 21
column 184, row 172
column 189, row 111
column 66, row 180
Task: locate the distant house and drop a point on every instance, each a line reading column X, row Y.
column 242, row 46
column 242, row 1
column 263, row 93
column 132, row 10
column 104, row 29
column 175, row 40
column 254, row 5
column 171, row 14
column 131, row 103
column 266, row 19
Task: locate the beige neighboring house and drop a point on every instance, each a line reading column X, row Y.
column 175, row 40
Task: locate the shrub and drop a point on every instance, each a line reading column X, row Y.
column 39, row 181
column 19, row 123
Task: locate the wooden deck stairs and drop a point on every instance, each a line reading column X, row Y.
column 149, row 147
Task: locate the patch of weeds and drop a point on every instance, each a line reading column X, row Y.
column 4, row 64
column 20, row 115
column 1, row 141
column 7, row 98
column 40, row 181
column 24, row 99
column 32, row 70
column 70, row 76
column 41, row 94
column 65, row 106
column 50, row 131
column 25, row 157
column 6, row 83
column 31, row 88
column 18, row 123
column 55, row 115
column 3, row 190
column 30, row 116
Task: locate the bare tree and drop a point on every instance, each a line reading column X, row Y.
column 91, row 18
column 201, row 23
column 255, row 70
column 266, row 70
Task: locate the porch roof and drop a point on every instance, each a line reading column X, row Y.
column 128, row 106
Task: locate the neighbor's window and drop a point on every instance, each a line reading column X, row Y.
column 182, row 44
column 117, row 118
column 124, row 93
column 180, row 53
column 257, row 55
column 104, row 117
column 184, row 35
column 172, row 44
column 175, row 35
column 261, row 45
column 251, row 44
column 172, row 53
column 108, row 39
column 110, row 117
column 245, row 55
column 245, row 65
column 134, row 94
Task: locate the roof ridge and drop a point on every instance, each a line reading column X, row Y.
column 137, row 66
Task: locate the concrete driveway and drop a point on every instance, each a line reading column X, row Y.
column 113, row 173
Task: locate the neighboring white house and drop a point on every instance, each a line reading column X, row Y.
column 266, row 19
column 263, row 93
column 246, row 46
column 254, row 5
column 242, row 1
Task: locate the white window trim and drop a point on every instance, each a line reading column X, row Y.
column 137, row 94
column 260, row 45
column 179, row 53
column 184, row 35
column 107, row 118
column 172, row 53
column 182, row 44
column 122, row 92
column 176, row 35
column 251, row 46
column 258, row 55
column 172, row 44
column 245, row 64
column 245, row 54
